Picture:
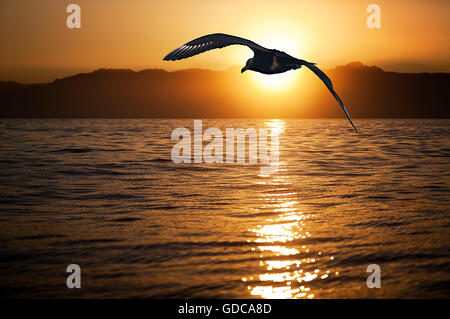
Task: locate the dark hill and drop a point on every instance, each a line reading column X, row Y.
column 367, row 92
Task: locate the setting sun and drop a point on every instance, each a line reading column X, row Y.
column 274, row 82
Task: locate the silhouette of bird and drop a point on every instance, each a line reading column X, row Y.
column 266, row 61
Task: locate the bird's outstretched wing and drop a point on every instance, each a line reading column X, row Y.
column 209, row 42
column 329, row 85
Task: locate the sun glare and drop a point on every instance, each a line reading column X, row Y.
column 275, row 82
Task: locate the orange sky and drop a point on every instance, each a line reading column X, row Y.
column 37, row 45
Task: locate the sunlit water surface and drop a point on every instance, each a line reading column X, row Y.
column 104, row 194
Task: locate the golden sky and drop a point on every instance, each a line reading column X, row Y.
column 37, row 46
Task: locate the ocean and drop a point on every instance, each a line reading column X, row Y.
column 104, row 194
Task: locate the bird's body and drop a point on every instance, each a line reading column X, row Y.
column 272, row 62
column 266, row 61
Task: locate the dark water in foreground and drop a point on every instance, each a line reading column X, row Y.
column 104, row 194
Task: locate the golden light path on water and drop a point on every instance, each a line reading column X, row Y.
column 288, row 266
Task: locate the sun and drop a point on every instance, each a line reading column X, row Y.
column 274, row 82
column 282, row 81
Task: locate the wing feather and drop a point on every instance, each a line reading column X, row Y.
column 210, row 42
column 326, row 80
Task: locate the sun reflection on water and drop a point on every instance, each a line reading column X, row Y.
column 288, row 266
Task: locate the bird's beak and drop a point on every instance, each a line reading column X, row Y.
column 244, row 69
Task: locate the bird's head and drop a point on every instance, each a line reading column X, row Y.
column 248, row 65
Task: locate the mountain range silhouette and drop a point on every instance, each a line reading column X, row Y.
column 367, row 91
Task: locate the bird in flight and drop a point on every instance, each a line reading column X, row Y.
column 266, row 61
